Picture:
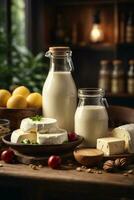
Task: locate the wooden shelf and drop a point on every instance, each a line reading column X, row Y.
column 103, row 46
column 122, row 95
column 125, row 45
column 89, row 47
column 85, row 2
column 97, row 46
column 123, row 99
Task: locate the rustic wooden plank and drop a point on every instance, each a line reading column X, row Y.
column 46, row 173
column 66, row 181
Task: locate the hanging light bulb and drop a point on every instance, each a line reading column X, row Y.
column 96, row 33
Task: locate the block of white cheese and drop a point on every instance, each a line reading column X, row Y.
column 125, row 132
column 18, row 136
column 111, row 145
column 28, row 124
column 52, row 138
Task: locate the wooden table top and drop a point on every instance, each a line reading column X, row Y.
column 68, row 179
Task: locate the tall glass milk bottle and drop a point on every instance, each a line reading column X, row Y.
column 59, row 90
column 91, row 119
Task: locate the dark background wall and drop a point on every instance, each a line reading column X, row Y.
column 41, row 22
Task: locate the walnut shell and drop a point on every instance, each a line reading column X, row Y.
column 109, row 166
column 121, row 163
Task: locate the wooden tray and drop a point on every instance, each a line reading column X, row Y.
column 27, row 159
column 43, row 150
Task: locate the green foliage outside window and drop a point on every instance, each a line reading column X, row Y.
column 25, row 68
column 18, row 22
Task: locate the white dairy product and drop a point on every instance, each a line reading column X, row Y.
column 28, row 124
column 91, row 122
column 59, row 98
column 125, row 132
column 52, row 138
column 18, row 136
column 111, row 145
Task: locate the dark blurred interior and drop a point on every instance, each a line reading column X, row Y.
column 100, row 34
column 95, row 30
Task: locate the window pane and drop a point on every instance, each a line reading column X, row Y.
column 3, row 54
column 18, row 22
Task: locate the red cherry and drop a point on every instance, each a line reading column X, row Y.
column 72, row 136
column 54, row 162
column 7, row 156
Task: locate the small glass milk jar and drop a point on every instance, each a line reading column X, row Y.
column 91, row 119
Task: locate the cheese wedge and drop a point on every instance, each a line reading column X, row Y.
column 125, row 132
column 18, row 136
column 111, row 145
column 52, row 138
column 28, row 124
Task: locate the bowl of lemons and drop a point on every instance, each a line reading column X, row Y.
column 19, row 104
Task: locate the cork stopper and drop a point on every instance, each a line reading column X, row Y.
column 104, row 62
column 131, row 62
column 60, row 50
column 117, row 62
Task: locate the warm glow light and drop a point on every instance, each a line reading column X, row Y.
column 96, row 34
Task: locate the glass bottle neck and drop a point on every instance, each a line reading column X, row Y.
column 60, row 60
column 92, row 96
column 60, row 64
column 96, row 101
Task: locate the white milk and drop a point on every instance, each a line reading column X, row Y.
column 59, row 99
column 91, row 122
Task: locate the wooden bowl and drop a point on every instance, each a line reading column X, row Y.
column 88, row 156
column 16, row 115
column 41, row 149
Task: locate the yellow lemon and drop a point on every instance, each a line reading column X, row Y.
column 17, row 101
column 4, row 96
column 34, row 100
column 21, row 90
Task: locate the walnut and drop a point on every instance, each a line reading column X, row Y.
column 121, row 163
column 109, row 166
